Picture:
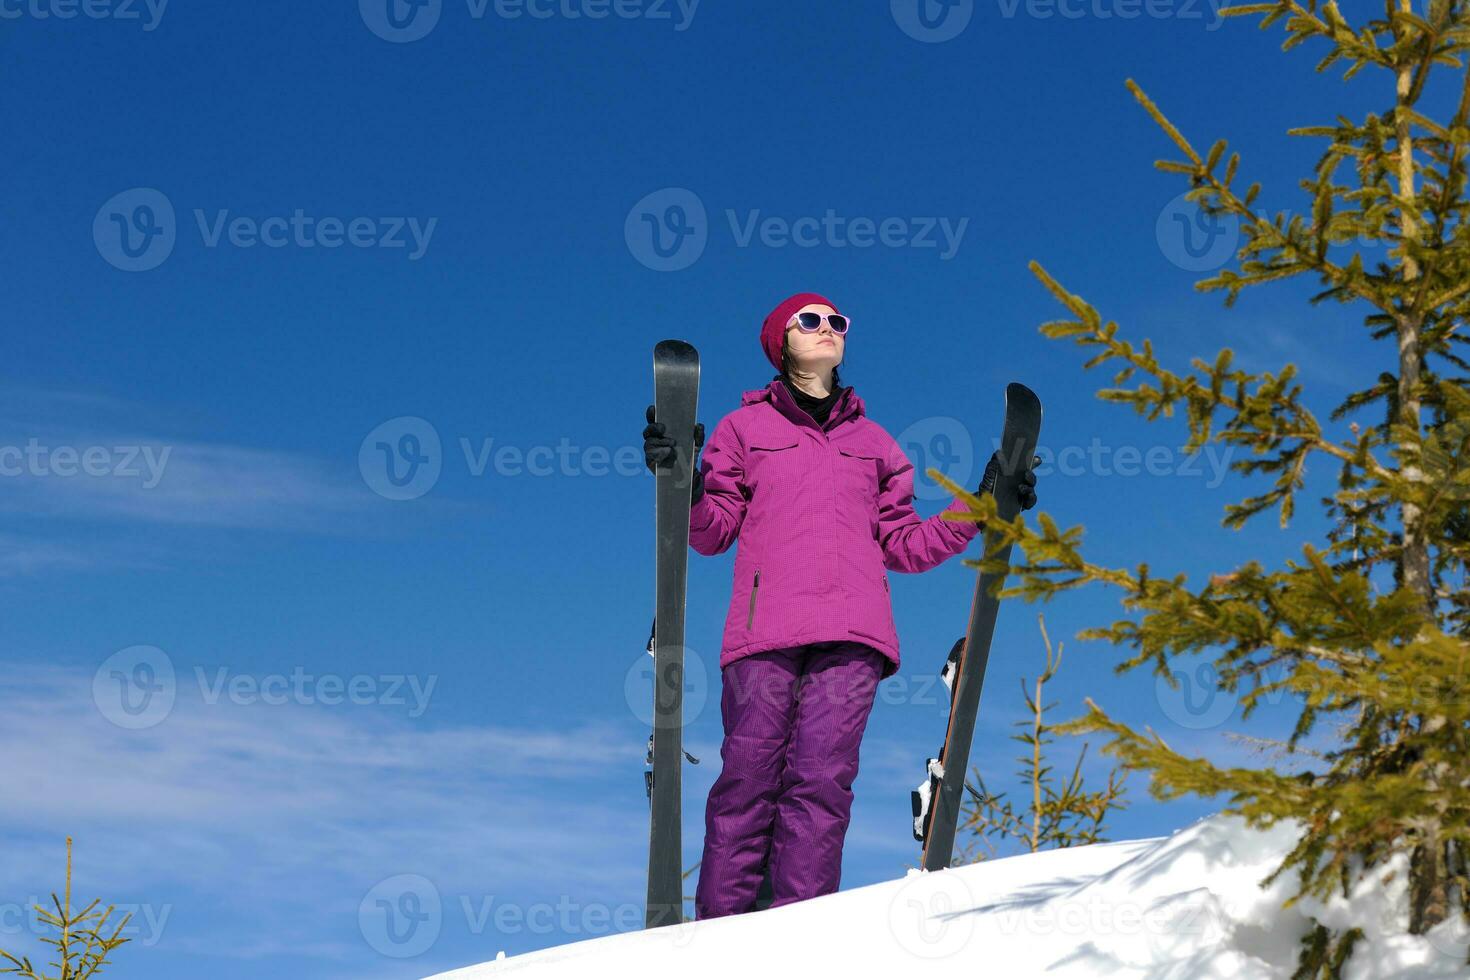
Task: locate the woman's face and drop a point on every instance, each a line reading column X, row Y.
column 814, row 352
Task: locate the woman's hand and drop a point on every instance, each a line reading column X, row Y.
column 658, row 450
column 1025, row 488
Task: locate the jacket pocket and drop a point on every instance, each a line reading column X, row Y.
column 859, row 471
column 754, row 588
column 772, row 463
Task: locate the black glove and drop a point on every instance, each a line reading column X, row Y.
column 658, row 450
column 1025, row 489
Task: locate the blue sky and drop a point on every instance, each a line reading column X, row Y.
column 342, row 232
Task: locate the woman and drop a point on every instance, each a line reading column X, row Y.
column 820, row 499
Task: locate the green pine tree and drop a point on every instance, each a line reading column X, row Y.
column 84, row 938
column 1368, row 628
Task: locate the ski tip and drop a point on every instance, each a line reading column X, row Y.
column 1017, row 392
column 675, row 350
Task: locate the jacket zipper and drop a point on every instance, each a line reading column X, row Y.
column 750, row 616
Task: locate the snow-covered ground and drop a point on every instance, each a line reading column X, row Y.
column 1182, row 907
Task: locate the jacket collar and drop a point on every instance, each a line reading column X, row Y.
column 848, row 404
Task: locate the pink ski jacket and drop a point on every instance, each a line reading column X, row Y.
column 820, row 512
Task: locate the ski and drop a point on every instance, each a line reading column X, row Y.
column 937, row 811
column 675, row 400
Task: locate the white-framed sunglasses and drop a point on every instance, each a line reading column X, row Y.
column 812, row 322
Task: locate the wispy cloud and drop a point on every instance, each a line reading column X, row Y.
column 1269, row 345
column 80, row 467
column 274, row 821
column 22, row 557
column 151, row 478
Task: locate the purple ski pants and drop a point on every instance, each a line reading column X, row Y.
column 793, row 721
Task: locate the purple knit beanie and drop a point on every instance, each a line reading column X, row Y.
column 773, row 331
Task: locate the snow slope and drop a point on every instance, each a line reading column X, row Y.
column 1183, row 907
